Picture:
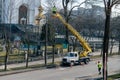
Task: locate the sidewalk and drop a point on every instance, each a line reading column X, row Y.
column 30, row 63
column 17, row 65
column 4, row 73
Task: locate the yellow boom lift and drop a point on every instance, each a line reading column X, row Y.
column 85, row 45
column 83, row 55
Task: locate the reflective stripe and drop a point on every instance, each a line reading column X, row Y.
column 99, row 65
column 54, row 9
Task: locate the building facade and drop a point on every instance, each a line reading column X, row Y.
column 22, row 11
column 0, row 11
column 2, row 4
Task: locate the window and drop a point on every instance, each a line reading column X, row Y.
column 71, row 54
column 75, row 55
column 22, row 13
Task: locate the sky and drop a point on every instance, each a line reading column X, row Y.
column 79, row 1
column 43, row 2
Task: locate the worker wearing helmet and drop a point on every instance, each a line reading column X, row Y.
column 99, row 65
column 54, row 9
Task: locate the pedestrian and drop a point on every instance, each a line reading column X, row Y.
column 99, row 65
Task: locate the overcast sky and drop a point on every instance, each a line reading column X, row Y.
column 59, row 5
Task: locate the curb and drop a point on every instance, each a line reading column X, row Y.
column 5, row 73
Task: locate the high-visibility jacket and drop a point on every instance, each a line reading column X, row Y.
column 54, row 9
column 99, row 65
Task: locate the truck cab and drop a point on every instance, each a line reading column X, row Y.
column 73, row 58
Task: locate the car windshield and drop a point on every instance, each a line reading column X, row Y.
column 70, row 55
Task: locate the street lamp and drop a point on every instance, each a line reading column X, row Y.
column 24, row 22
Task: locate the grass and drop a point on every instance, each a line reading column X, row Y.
column 2, row 53
column 115, row 76
column 15, row 56
column 12, row 57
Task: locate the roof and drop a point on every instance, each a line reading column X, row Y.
column 15, row 28
column 59, row 40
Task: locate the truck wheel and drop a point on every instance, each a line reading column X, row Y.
column 61, row 64
column 86, row 61
column 79, row 63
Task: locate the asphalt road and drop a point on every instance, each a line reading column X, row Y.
column 78, row 72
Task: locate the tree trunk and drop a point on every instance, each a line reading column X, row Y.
column 6, row 57
column 53, row 54
column 119, row 48
column 74, row 44
column 27, row 55
column 46, row 38
column 106, row 40
column 7, row 46
column 111, row 48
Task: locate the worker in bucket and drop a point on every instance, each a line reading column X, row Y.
column 54, row 9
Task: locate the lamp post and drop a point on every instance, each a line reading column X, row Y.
column 23, row 21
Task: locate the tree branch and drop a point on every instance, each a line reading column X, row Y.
column 105, row 3
column 115, row 2
column 75, row 7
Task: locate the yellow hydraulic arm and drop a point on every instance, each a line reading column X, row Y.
column 85, row 45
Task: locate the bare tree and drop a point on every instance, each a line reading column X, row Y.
column 27, row 35
column 108, row 5
column 8, row 16
column 68, row 11
column 51, row 24
column 108, row 8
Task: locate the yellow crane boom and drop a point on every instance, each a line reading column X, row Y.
column 85, row 45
